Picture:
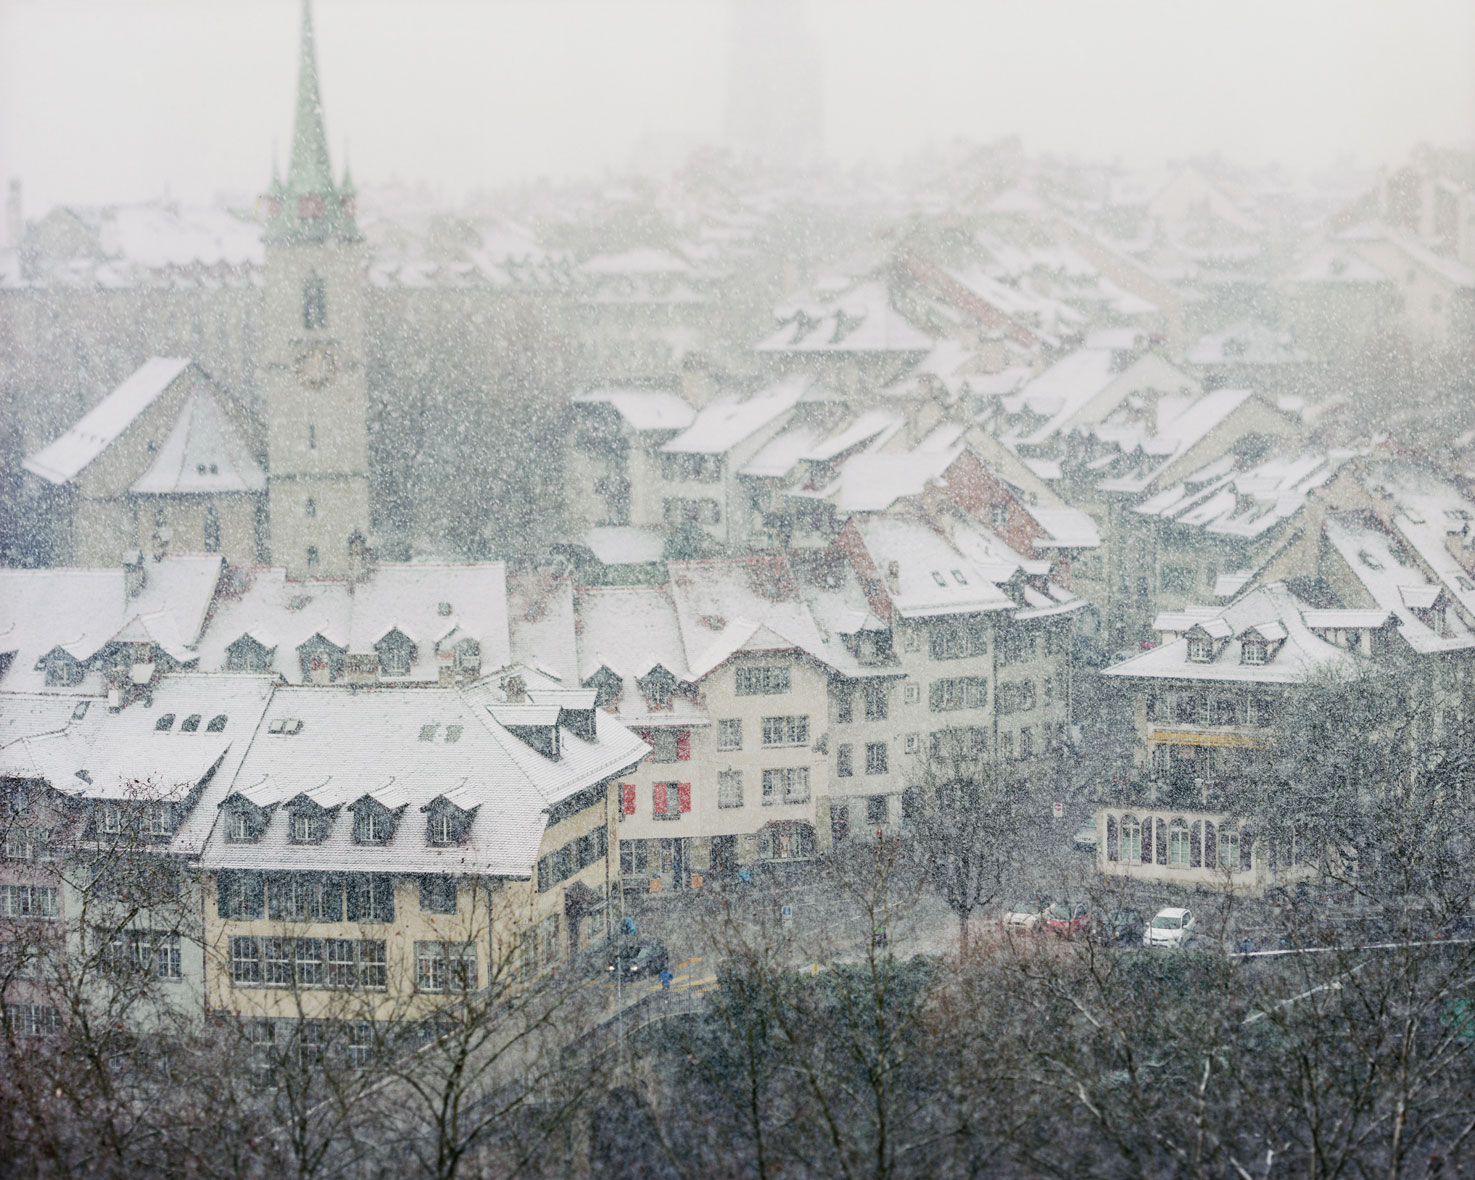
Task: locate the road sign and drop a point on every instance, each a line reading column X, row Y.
column 1059, row 809
column 786, row 913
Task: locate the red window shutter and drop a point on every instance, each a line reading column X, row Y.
column 683, row 796
column 627, row 798
column 659, row 796
column 683, row 745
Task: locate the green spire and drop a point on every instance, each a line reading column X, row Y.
column 311, row 206
column 309, row 170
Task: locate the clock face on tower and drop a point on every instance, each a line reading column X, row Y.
column 315, row 366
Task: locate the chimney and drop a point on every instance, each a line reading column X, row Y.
column 515, row 690
column 134, row 576
column 15, row 220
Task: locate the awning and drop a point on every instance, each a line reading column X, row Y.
column 1177, row 738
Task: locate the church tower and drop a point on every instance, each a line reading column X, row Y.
column 315, row 401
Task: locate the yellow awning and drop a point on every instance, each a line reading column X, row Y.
column 1169, row 737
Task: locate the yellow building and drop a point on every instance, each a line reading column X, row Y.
column 378, row 851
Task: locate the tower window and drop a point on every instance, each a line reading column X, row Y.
column 314, row 303
column 312, row 507
column 312, row 557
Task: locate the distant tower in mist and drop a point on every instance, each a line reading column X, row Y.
column 774, row 108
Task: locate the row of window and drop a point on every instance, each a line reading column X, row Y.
column 1201, row 708
column 309, row 962
column 32, row 1020
column 1177, row 843
column 151, row 952
column 701, row 468
column 874, row 695
column 28, row 901
column 28, row 843
column 190, row 724
column 876, row 759
column 678, row 510
column 316, row 897
column 762, row 681
column 145, row 819
column 578, row 853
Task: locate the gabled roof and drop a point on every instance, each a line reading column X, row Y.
column 642, row 409
column 719, row 427
column 66, row 458
column 203, row 453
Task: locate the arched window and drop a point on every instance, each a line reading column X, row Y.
column 314, row 302
column 190, row 724
column 1178, row 842
column 217, row 724
column 1131, row 840
column 165, row 723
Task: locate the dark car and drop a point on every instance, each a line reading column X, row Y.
column 1120, row 928
column 644, row 960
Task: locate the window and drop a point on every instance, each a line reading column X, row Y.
column 110, row 819
column 1223, row 711
column 304, row 897
column 1261, row 712
column 241, row 894
column 245, row 960
column 1254, row 651
column 437, row 895
column 844, row 704
column 877, row 809
column 789, row 785
column 306, row 828
column 311, row 507
column 312, row 557
column 369, row 897
column 238, row 827
column 843, row 767
column 729, row 788
column 875, row 696
column 160, row 819
column 314, row 303
column 729, row 735
column 767, row 681
column 307, row 961
column 1006, row 745
column 164, row 723
column 786, row 731
column 312, row 436
column 1228, row 849
column 1200, row 649
column 998, row 516
column 1178, row 845
column 968, row 692
column 663, row 745
column 876, row 758
column 443, row 828
column 212, row 529
column 28, row 901
column 1131, row 840
column 912, row 694
column 956, row 640
column 371, row 825
column 360, row 1044
column 445, row 966
column 667, row 803
column 190, row 724
column 785, row 841
column 32, row 1020
column 1185, row 710
column 217, row 724
column 276, row 961
column 27, row 844
column 1027, row 742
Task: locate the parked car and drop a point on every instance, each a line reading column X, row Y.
column 1025, row 914
column 642, row 960
column 1170, row 926
column 1119, row 928
column 1066, row 919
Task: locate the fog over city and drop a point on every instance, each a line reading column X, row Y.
column 769, row 589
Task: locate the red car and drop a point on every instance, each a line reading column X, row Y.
column 1065, row 919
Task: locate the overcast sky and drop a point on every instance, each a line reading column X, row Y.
column 117, row 100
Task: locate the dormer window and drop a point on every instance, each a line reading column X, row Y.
column 304, row 828
column 217, row 724
column 1200, row 649
column 396, row 654
column 658, row 688
column 110, row 819
column 190, row 724
column 373, row 823
column 442, row 830
column 1255, row 651
column 165, row 723
column 468, row 656
column 446, row 822
column 239, row 828
column 607, row 687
